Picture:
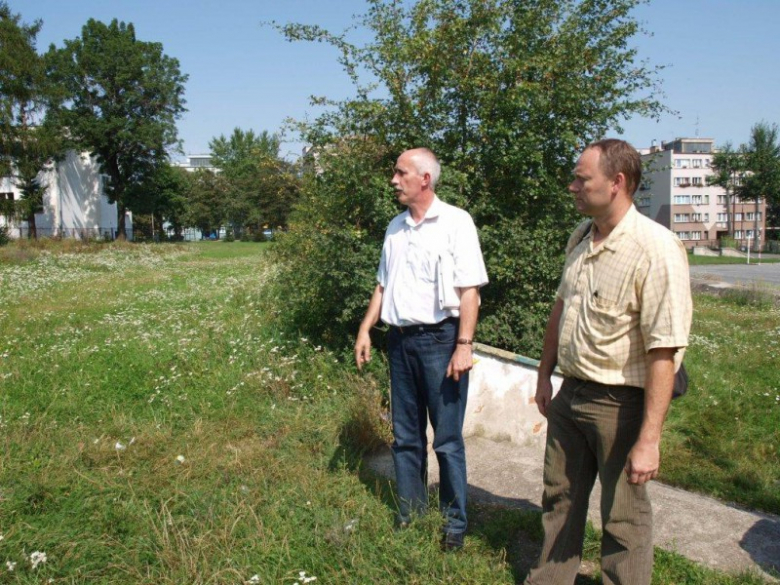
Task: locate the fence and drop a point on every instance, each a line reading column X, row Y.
column 767, row 246
column 23, row 232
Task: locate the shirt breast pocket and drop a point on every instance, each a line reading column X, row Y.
column 422, row 263
column 607, row 318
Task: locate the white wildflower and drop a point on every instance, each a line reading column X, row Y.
column 119, row 446
column 11, row 565
column 37, row 558
column 180, row 459
column 254, row 579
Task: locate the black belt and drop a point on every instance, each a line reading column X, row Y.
column 423, row 327
column 580, row 381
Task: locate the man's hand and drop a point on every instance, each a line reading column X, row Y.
column 643, row 462
column 544, row 391
column 461, row 362
column 362, row 349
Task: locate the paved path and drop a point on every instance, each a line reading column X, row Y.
column 768, row 274
column 702, row 529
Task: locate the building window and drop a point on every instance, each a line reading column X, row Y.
column 724, row 217
column 696, row 217
column 696, row 235
column 6, row 196
column 684, row 235
column 682, row 181
column 682, row 163
column 706, row 217
column 737, row 217
column 697, row 181
column 721, row 200
column 697, row 163
column 682, row 199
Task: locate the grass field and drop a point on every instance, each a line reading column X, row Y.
column 723, row 438
column 156, row 429
column 707, row 260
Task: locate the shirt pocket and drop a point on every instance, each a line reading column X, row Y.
column 608, row 319
column 422, row 264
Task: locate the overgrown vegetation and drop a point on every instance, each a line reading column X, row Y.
column 507, row 94
column 723, row 438
column 156, row 429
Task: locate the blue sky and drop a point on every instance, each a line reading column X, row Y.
column 721, row 74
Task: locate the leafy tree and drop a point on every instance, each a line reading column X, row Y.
column 261, row 186
column 28, row 142
column 204, row 196
column 20, row 79
column 120, row 98
column 507, row 94
column 728, row 166
column 762, row 160
column 162, row 197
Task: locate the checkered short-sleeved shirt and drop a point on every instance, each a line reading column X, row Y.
column 626, row 296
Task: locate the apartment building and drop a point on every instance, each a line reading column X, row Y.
column 196, row 162
column 674, row 192
column 74, row 203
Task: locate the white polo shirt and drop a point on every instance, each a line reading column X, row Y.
column 422, row 262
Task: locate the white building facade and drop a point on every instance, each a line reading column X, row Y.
column 675, row 193
column 74, row 203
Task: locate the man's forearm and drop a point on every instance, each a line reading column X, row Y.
column 549, row 357
column 658, row 393
column 469, row 311
column 373, row 311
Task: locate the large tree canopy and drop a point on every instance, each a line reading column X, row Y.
column 120, row 98
column 28, row 139
column 507, row 94
column 762, row 181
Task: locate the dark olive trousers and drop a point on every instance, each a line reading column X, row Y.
column 591, row 429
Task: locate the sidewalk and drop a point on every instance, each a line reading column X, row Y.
column 707, row 531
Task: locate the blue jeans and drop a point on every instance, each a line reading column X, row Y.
column 420, row 389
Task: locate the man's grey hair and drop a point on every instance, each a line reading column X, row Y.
column 426, row 162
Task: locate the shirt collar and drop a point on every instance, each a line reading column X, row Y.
column 433, row 212
column 625, row 225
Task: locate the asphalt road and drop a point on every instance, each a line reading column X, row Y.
column 762, row 274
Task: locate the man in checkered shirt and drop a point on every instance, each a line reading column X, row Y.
column 617, row 331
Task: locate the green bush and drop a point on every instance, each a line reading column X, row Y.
column 327, row 260
column 4, row 238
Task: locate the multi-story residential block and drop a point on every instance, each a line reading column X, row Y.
column 675, row 193
column 74, row 203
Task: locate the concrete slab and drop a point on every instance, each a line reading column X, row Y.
column 703, row 529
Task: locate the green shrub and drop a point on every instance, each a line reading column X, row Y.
column 4, row 238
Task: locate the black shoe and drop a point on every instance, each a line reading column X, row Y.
column 452, row 541
column 400, row 525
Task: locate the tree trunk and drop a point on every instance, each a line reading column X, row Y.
column 32, row 230
column 121, row 232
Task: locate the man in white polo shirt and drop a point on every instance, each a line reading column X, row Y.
column 428, row 293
